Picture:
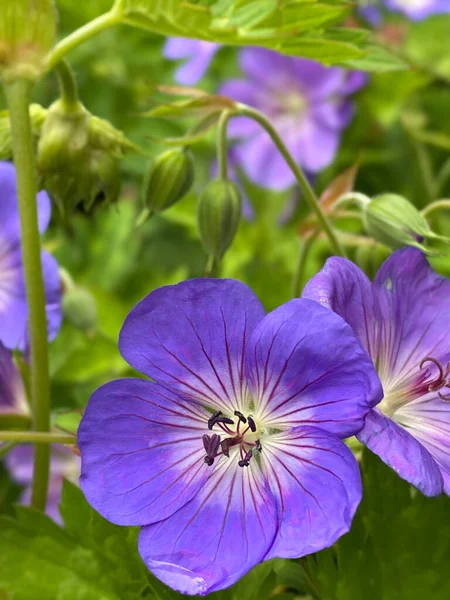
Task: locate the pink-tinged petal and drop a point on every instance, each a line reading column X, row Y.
column 216, row 538
column 305, row 366
column 142, row 451
column 12, row 391
column 317, row 483
column 428, row 420
column 401, row 451
column 192, row 336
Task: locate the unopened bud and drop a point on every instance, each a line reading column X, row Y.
column 218, row 215
column 79, row 308
column 395, row 222
column 167, row 180
column 27, row 33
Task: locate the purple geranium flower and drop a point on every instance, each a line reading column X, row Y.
column 231, row 455
column 403, row 321
column 12, row 392
column 418, row 10
column 307, row 103
column 198, row 54
column 13, row 303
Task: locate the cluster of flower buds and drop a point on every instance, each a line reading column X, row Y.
column 168, row 179
column 218, row 216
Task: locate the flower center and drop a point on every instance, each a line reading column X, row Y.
column 241, row 435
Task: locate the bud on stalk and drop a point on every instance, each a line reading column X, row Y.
column 218, row 215
column 167, row 180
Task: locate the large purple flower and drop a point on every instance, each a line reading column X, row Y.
column 231, row 455
column 307, row 103
column 12, row 392
column 403, row 321
column 13, row 303
column 198, row 55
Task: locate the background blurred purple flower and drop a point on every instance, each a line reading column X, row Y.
column 419, row 9
column 198, row 55
column 13, row 304
column 231, row 455
column 12, row 392
column 64, row 464
column 403, row 321
column 307, row 103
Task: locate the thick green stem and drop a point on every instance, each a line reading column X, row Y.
column 34, row 437
column 18, row 99
column 82, row 34
column 443, row 204
column 222, row 158
column 307, row 190
column 67, row 84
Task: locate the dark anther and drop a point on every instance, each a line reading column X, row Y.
column 245, row 461
column 258, row 446
column 242, row 419
column 251, row 424
column 211, row 445
column 213, row 419
column 208, row 460
column 206, row 440
column 225, row 445
column 225, row 420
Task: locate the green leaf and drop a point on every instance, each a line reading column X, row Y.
column 297, row 27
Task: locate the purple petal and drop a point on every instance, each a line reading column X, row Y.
column 401, row 451
column 12, row 392
column 53, row 294
column 142, row 451
column 266, row 67
column 216, row 538
column 305, row 366
column 316, row 480
column 418, row 11
column 192, row 336
column 9, row 210
column 198, row 53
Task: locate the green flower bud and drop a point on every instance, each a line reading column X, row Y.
column 27, row 33
column 218, row 215
column 77, row 157
column 80, row 309
column 169, row 178
column 395, row 222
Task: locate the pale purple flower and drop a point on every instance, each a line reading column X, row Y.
column 13, row 303
column 416, row 10
column 306, row 102
column 198, row 55
column 64, row 464
column 403, row 321
column 231, row 455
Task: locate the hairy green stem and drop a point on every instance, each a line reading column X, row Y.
column 67, row 84
column 109, row 19
column 18, row 99
column 222, row 158
column 35, row 437
column 299, row 175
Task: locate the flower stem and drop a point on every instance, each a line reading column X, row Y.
column 305, row 247
column 222, row 158
column 436, row 206
column 307, row 190
column 67, row 84
column 109, row 19
column 18, row 99
column 34, row 437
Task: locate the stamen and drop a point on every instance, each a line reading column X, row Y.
column 258, row 446
column 242, row 419
column 213, row 419
column 442, row 381
column 224, row 420
column 245, row 461
column 251, row 424
column 211, row 445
